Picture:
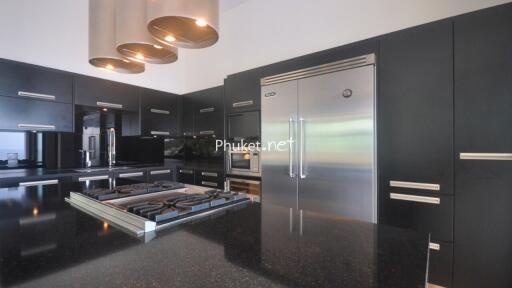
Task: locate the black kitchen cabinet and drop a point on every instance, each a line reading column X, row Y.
column 210, row 178
column 440, row 268
column 209, row 112
column 33, row 82
column 27, row 114
column 96, row 92
column 243, row 126
column 243, row 91
column 416, row 107
column 160, row 174
column 185, row 175
column 483, row 114
column 187, row 120
column 159, row 113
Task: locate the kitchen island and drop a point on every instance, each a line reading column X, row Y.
column 47, row 243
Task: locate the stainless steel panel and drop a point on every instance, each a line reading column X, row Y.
column 164, row 133
column 278, row 188
column 129, row 175
column 243, row 104
column 109, row 105
column 39, row 183
column 338, row 112
column 100, row 177
column 36, row 126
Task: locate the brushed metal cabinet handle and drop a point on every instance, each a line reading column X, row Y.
column 208, row 183
column 243, row 103
column 486, row 156
column 206, row 110
column 415, row 185
column 38, row 183
column 36, row 126
column 164, row 133
column 36, row 95
column 159, row 172
column 434, row 246
column 414, row 198
column 207, row 132
column 210, row 174
column 101, row 177
column 187, row 133
column 186, row 171
column 158, row 111
column 136, row 174
column 109, row 105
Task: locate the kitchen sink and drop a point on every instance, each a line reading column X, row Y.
column 98, row 169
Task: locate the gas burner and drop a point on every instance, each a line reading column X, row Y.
column 104, row 194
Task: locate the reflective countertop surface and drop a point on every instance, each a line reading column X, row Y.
column 46, row 243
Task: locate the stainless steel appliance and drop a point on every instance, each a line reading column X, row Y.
column 251, row 187
column 327, row 115
column 243, row 162
column 111, row 146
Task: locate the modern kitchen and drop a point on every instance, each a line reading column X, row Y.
column 256, row 143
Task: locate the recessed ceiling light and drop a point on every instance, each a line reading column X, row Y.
column 109, row 67
column 139, row 56
column 170, row 38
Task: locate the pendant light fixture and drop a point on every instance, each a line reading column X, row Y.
column 102, row 39
column 133, row 39
column 184, row 23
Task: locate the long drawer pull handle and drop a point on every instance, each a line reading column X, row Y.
column 485, row 156
column 109, row 105
column 158, row 111
column 36, row 126
column 37, row 183
column 186, row 171
column 101, row 177
column 36, row 95
column 159, row 172
column 209, row 174
column 164, row 133
column 206, row 110
column 127, row 175
column 187, row 133
column 434, row 246
column 415, row 185
column 208, row 132
column 243, row 103
column 414, row 198
column 211, row 184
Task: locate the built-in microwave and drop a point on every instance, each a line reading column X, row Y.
column 243, row 162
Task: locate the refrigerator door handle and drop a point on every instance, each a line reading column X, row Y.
column 290, row 147
column 301, row 154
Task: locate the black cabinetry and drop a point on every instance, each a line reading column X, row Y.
column 243, row 91
column 483, row 115
column 160, row 174
column 185, row 175
column 203, row 113
column 91, row 91
column 415, row 118
column 159, row 113
column 210, row 178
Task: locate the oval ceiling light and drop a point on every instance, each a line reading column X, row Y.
column 133, row 39
column 102, row 39
column 184, row 23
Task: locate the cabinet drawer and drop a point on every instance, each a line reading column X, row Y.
column 25, row 114
column 132, row 175
column 161, row 174
column 440, row 263
column 185, row 175
column 423, row 212
column 213, row 179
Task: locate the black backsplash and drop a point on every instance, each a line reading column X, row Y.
column 190, row 149
column 138, row 150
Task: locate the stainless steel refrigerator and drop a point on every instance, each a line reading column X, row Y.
column 326, row 117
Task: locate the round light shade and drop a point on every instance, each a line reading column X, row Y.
column 133, row 39
column 102, row 39
column 184, row 23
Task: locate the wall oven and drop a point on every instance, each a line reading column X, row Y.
column 243, row 162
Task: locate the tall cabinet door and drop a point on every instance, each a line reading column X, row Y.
column 336, row 128
column 483, row 118
column 279, row 182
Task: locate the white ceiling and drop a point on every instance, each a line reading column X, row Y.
column 253, row 33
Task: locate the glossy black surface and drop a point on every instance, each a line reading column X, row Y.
column 243, row 87
column 47, row 243
column 483, row 114
column 203, row 113
column 153, row 120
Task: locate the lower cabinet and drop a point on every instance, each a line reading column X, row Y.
column 35, row 115
column 185, row 175
column 440, row 268
column 213, row 179
column 162, row 174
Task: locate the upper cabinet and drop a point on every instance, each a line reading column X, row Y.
column 108, row 94
column 243, row 91
column 187, row 114
column 32, row 82
column 159, row 113
column 209, row 112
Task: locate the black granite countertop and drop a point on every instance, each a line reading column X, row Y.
column 46, row 243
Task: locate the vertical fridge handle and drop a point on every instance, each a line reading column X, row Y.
column 290, row 147
column 301, row 152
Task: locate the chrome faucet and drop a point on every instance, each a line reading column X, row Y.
column 111, row 146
